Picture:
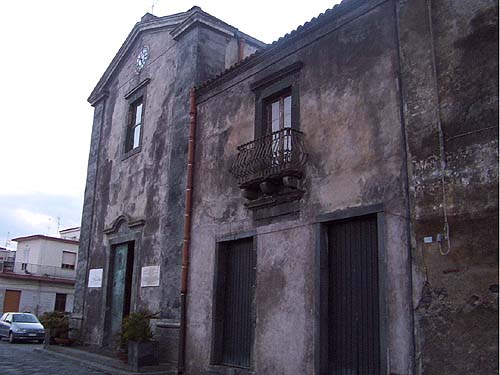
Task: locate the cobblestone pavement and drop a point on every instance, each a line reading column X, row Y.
column 21, row 359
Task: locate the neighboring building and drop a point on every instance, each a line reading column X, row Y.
column 6, row 254
column 42, row 276
column 132, row 222
column 345, row 202
column 70, row 234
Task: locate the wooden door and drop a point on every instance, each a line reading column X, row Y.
column 11, row 301
column 353, row 301
column 234, row 303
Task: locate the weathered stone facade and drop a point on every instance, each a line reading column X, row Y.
column 139, row 196
column 396, row 103
column 453, row 90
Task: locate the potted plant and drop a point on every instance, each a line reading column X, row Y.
column 136, row 337
column 56, row 328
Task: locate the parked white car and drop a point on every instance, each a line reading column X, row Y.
column 21, row 326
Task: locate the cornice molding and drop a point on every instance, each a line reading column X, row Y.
column 132, row 223
column 203, row 19
column 137, row 88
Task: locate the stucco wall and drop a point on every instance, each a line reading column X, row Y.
column 350, row 115
column 45, row 257
column 36, row 297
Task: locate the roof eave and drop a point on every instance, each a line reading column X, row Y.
column 337, row 11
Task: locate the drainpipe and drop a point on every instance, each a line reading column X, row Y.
column 187, row 232
column 406, row 181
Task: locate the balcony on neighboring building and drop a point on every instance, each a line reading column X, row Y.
column 7, row 266
column 269, row 168
column 36, row 271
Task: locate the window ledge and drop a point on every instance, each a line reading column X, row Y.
column 131, row 153
column 229, row 370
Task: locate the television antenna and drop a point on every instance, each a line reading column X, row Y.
column 7, row 241
column 153, row 6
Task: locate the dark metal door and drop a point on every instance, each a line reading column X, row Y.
column 237, row 325
column 120, row 287
column 353, row 297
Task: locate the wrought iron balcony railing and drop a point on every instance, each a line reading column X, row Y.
column 279, row 154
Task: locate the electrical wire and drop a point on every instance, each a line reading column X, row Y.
column 446, row 226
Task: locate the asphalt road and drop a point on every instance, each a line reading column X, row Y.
column 22, row 359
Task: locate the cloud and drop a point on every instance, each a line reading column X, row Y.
column 22, row 215
column 32, row 219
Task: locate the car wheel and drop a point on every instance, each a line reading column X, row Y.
column 40, row 341
column 12, row 340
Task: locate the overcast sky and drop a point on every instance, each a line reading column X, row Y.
column 53, row 54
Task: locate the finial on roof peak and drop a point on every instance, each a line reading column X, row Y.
column 148, row 17
column 196, row 7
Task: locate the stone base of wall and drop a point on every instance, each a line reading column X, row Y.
column 166, row 333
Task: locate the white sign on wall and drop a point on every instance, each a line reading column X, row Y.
column 95, row 278
column 150, row 276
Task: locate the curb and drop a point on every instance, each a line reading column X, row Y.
column 97, row 366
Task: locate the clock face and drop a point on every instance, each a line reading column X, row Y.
column 142, row 57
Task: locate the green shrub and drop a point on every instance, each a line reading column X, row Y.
column 56, row 322
column 136, row 327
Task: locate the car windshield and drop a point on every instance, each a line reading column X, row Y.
column 24, row 318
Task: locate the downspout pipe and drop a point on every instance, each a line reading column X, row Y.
column 406, row 182
column 187, row 232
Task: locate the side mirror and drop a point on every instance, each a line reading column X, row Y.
column 8, row 321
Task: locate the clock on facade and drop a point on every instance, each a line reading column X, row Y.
column 142, row 57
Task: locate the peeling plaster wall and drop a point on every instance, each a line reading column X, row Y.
column 134, row 186
column 148, row 185
column 350, row 114
column 450, row 78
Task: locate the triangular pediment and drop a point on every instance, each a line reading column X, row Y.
column 179, row 24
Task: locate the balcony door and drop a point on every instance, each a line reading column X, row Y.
column 279, row 121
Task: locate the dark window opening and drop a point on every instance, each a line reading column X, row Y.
column 133, row 136
column 60, row 302
column 234, row 303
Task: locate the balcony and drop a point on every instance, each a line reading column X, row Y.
column 269, row 168
column 37, row 270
